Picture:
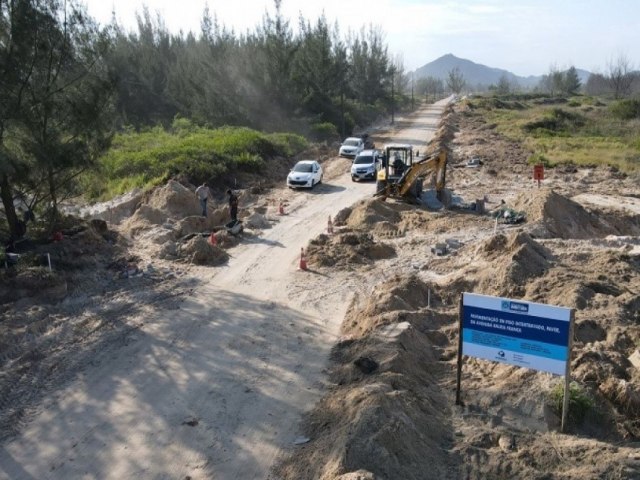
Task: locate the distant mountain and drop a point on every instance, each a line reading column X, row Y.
column 476, row 74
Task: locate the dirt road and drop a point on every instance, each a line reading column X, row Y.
column 214, row 388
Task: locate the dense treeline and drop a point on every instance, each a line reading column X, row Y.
column 269, row 78
column 67, row 85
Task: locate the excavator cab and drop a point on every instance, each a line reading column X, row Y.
column 401, row 175
column 397, row 160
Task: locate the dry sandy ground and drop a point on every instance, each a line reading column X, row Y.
column 212, row 386
column 396, row 419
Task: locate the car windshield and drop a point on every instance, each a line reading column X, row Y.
column 351, row 142
column 367, row 160
column 303, row 167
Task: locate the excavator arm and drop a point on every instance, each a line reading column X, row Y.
column 435, row 163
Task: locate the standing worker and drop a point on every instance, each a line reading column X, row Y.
column 203, row 193
column 233, row 205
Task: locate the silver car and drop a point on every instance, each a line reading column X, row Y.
column 365, row 165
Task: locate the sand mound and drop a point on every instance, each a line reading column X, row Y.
column 158, row 235
column 346, row 248
column 200, row 252
column 558, row 216
column 226, row 240
column 397, row 294
column 386, row 424
column 257, row 221
column 194, row 224
column 144, row 218
column 174, row 199
column 341, row 217
column 385, row 229
column 624, row 394
column 515, row 260
column 367, row 213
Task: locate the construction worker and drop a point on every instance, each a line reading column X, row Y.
column 233, row 205
column 202, row 194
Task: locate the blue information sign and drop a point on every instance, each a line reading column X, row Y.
column 520, row 333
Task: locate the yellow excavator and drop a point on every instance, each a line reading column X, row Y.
column 401, row 175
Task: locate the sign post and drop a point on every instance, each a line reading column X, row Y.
column 516, row 332
column 538, row 173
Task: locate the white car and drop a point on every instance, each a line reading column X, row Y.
column 305, row 174
column 351, row 147
column 365, row 165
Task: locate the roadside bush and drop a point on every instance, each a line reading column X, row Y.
column 288, row 144
column 324, row 132
column 580, row 402
column 626, row 109
column 151, row 157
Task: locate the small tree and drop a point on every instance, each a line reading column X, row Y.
column 571, row 81
column 430, row 87
column 455, row 80
column 597, row 84
column 620, row 76
column 504, row 85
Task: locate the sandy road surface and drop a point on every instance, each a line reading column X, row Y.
column 215, row 388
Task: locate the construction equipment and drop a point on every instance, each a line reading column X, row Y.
column 401, row 176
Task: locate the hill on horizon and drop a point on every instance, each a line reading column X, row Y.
column 476, row 74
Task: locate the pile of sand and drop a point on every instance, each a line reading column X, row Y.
column 174, row 199
column 387, row 424
column 198, row 250
column 144, row 218
column 226, row 240
column 196, row 224
column 347, row 248
column 367, row 213
column 557, row 216
column 399, row 299
column 512, row 261
column 257, row 221
column 340, row 218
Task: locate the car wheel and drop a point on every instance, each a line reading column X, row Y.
column 320, row 181
column 353, row 179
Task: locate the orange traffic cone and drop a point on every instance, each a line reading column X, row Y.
column 303, row 261
column 330, row 226
column 281, row 209
column 213, row 240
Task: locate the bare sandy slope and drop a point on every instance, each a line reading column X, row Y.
column 214, row 388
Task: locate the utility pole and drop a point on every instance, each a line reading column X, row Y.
column 393, row 98
column 342, row 126
column 412, row 107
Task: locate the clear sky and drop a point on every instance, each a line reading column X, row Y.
column 523, row 36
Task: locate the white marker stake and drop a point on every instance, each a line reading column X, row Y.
column 495, row 227
column 49, row 260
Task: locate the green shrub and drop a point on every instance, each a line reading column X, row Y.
column 288, row 144
column 182, row 125
column 556, row 121
column 538, row 158
column 324, row 132
column 580, row 402
column 150, row 157
column 626, row 109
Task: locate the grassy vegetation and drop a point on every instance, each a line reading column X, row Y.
column 147, row 158
column 580, row 130
column 580, row 402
